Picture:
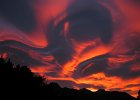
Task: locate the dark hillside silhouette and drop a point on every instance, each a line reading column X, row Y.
column 19, row 83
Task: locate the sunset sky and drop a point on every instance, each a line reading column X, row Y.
column 93, row 44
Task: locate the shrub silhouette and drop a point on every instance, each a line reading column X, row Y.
column 18, row 82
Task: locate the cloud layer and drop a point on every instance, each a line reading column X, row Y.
column 77, row 43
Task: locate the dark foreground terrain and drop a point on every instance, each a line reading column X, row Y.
column 19, row 83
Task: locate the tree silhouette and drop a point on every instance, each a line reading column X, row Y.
column 138, row 95
column 18, row 82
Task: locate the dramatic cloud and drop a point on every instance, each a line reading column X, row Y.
column 89, row 44
column 19, row 13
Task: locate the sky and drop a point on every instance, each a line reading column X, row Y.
column 93, row 44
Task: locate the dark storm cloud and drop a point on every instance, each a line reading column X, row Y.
column 19, row 13
column 128, row 47
column 57, row 41
column 134, row 2
column 101, row 64
column 54, row 73
column 131, row 45
column 91, row 21
column 124, row 71
column 132, row 85
column 86, row 24
column 17, row 52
